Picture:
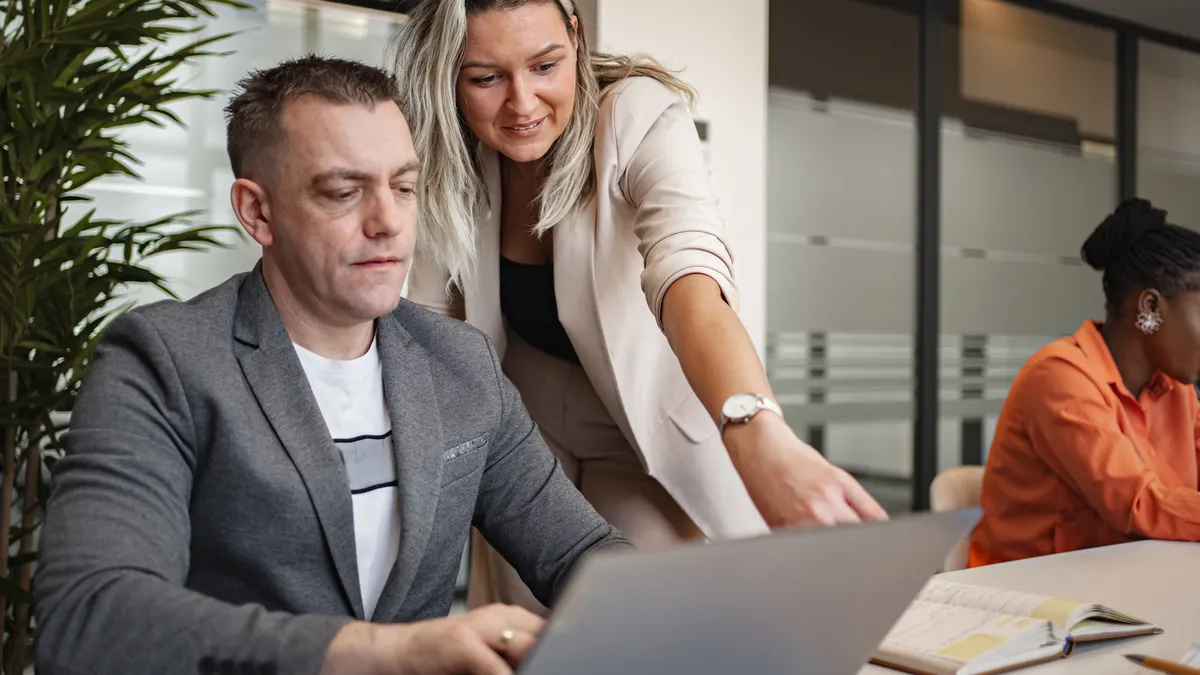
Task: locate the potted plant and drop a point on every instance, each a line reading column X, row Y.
column 73, row 73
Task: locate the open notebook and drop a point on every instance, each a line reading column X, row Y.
column 962, row 629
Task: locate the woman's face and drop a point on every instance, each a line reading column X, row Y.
column 1175, row 348
column 516, row 85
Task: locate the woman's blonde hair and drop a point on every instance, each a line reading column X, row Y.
column 429, row 51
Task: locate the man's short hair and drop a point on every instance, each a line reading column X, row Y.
column 254, row 117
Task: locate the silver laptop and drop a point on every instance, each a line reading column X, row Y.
column 809, row 601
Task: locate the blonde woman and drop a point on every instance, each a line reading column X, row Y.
column 567, row 213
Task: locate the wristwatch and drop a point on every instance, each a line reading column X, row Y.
column 741, row 408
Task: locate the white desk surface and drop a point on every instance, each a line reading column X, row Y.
column 1156, row 581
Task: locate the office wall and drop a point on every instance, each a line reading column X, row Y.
column 721, row 45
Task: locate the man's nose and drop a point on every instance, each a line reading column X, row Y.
column 387, row 217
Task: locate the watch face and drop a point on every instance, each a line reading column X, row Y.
column 740, row 406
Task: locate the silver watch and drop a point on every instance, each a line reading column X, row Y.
column 741, row 408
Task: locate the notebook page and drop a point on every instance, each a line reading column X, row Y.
column 960, row 634
column 1056, row 610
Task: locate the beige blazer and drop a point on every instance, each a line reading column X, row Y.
column 653, row 219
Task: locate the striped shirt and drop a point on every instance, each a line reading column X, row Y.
column 350, row 395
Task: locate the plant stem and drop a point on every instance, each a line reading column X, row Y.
column 33, row 476
column 33, row 479
column 10, row 458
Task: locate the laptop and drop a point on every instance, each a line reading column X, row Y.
column 797, row 602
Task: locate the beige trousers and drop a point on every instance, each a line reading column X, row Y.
column 595, row 456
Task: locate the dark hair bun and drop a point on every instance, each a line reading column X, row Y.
column 1120, row 231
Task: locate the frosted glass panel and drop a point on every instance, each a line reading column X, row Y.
column 823, row 155
column 831, row 288
column 1013, row 194
column 986, row 297
column 1169, row 131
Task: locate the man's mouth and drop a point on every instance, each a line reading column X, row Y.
column 378, row 262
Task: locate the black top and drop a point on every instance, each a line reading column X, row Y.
column 527, row 300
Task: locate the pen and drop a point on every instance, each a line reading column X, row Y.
column 1162, row 665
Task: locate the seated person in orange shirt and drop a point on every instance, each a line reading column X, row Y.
column 1097, row 440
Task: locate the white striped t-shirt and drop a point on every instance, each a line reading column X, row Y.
column 350, row 395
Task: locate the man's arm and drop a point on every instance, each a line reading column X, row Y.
column 527, row 508
column 115, row 546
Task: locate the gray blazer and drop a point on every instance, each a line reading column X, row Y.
column 202, row 517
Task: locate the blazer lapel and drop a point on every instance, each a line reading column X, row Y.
column 575, row 275
column 417, row 444
column 577, row 278
column 277, row 379
column 481, row 301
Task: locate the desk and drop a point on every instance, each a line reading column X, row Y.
column 1156, row 581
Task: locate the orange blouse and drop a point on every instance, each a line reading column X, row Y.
column 1078, row 462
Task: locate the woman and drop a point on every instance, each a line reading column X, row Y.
column 567, row 213
column 1097, row 441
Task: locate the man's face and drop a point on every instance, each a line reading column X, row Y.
column 341, row 209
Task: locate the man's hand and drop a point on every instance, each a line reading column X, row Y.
column 487, row 641
column 789, row 482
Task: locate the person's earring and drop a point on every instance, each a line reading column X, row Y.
column 1149, row 322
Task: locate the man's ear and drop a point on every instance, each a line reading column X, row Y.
column 253, row 211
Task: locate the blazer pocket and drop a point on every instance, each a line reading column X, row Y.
column 463, row 460
column 692, row 419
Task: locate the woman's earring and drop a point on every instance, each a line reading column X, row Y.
column 1149, row 322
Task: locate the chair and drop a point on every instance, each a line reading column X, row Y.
column 956, row 488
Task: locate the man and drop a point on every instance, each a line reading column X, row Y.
column 278, row 474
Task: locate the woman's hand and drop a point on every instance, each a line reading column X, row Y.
column 789, row 482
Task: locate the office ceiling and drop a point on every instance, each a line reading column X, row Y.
column 1175, row 16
